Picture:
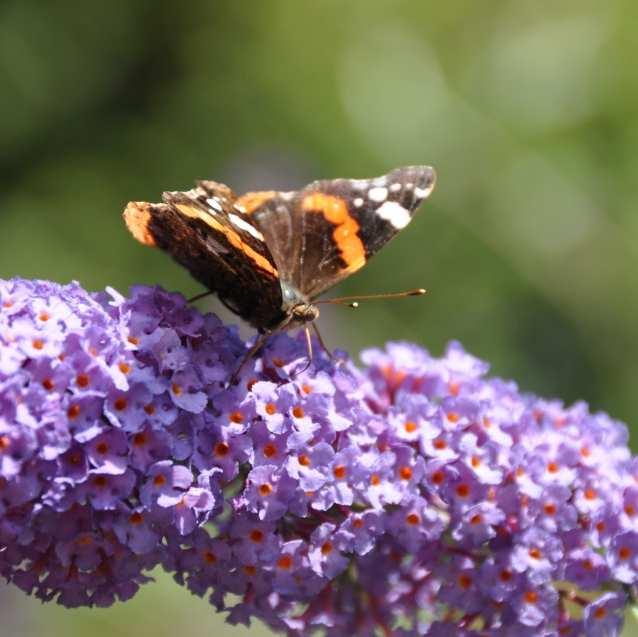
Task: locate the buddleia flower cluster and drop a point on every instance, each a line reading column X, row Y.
column 415, row 496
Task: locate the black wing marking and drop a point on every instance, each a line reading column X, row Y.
column 325, row 232
column 217, row 244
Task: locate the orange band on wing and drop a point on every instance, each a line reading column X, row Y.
column 233, row 238
column 335, row 210
column 137, row 216
column 251, row 201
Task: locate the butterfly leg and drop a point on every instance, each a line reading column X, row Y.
column 323, row 345
column 257, row 345
column 308, row 349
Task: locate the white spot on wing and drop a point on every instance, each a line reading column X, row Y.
column 395, row 187
column 422, row 193
column 378, row 193
column 244, row 225
column 395, row 213
column 358, row 202
column 213, row 202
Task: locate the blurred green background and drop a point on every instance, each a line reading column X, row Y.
column 528, row 110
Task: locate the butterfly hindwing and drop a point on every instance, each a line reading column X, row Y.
column 217, row 244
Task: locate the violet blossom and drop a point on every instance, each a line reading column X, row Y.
column 415, row 496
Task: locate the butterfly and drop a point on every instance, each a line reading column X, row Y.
column 268, row 255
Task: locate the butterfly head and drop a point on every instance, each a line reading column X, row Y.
column 304, row 312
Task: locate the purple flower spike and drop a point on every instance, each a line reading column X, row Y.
column 415, row 497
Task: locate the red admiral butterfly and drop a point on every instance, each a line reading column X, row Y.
column 268, row 255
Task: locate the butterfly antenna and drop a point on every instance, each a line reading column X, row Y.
column 352, row 301
column 197, row 297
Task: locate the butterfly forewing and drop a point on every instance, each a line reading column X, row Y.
column 218, row 245
column 325, row 232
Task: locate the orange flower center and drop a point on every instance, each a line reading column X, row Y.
column 139, row 440
column 136, row 518
column 405, row 473
column 284, row 562
column 531, row 597
column 463, row 490
column 326, row 548
column 550, row 508
column 222, row 449
column 624, row 553
column 304, row 460
column 465, row 581
column 339, row 472
column 82, row 380
column 73, row 412
column 210, row 557
column 438, row 477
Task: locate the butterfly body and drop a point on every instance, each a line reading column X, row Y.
column 268, row 255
